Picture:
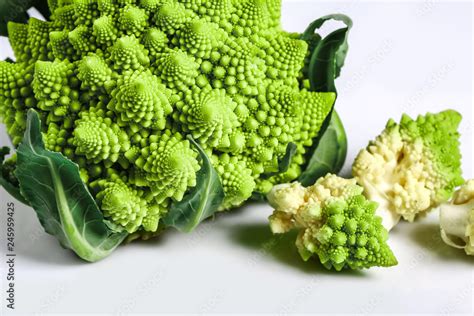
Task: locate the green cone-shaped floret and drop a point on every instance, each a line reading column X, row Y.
column 99, row 139
column 284, row 56
column 335, row 221
column 15, row 95
column 107, row 7
column 93, row 72
column 155, row 41
column 316, row 107
column 170, row 166
column 236, row 179
column 128, row 53
column 65, row 16
column 133, row 20
column 140, row 98
column 177, row 69
column 61, row 46
column 18, row 37
column 121, row 203
column 151, row 6
column 37, row 40
column 171, row 16
column 105, row 31
column 250, row 17
column 86, row 12
column 53, row 87
column 56, row 137
column 208, row 115
column 217, row 11
column 82, row 40
column 274, row 9
column 200, row 38
column 237, row 68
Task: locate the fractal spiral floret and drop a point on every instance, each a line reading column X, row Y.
column 121, row 85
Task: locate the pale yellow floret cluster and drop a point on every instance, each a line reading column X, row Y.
column 399, row 172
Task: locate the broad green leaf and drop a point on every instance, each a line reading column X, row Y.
column 11, row 10
column 328, row 54
column 327, row 57
column 329, row 155
column 283, row 163
column 7, row 179
column 201, row 202
column 65, row 208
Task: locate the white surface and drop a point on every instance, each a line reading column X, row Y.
column 404, row 57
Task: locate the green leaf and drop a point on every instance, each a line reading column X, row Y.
column 329, row 155
column 283, row 163
column 328, row 54
column 11, row 10
column 7, row 179
column 65, row 208
column 201, row 202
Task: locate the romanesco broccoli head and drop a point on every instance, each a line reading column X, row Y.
column 412, row 166
column 119, row 85
column 457, row 219
column 335, row 221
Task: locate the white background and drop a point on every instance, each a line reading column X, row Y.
column 408, row 57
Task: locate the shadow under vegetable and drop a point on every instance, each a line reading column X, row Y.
column 281, row 247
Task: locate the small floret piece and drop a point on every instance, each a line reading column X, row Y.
column 171, row 16
column 82, row 40
column 411, row 167
column 177, row 69
column 54, row 87
column 200, row 38
column 133, row 20
column 105, row 31
column 38, row 36
column 99, row 139
column 236, row 179
column 65, row 16
column 128, row 53
column 61, row 46
column 250, row 17
column 93, row 72
column 155, row 41
column 122, row 204
column 18, row 36
column 140, row 98
column 208, row 115
column 170, row 165
column 457, row 219
column 335, row 222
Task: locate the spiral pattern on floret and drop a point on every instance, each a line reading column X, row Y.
column 335, row 221
column 99, row 139
column 170, row 166
column 208, row 115
column 156, row 68
column 139, row 98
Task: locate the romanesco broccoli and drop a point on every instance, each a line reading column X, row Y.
column 119, row 84
column 335, row 222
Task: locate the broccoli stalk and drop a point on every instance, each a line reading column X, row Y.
column 457, row 219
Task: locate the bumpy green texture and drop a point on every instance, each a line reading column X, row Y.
column 413, row 166
column 335, row 221
column 119, row 84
